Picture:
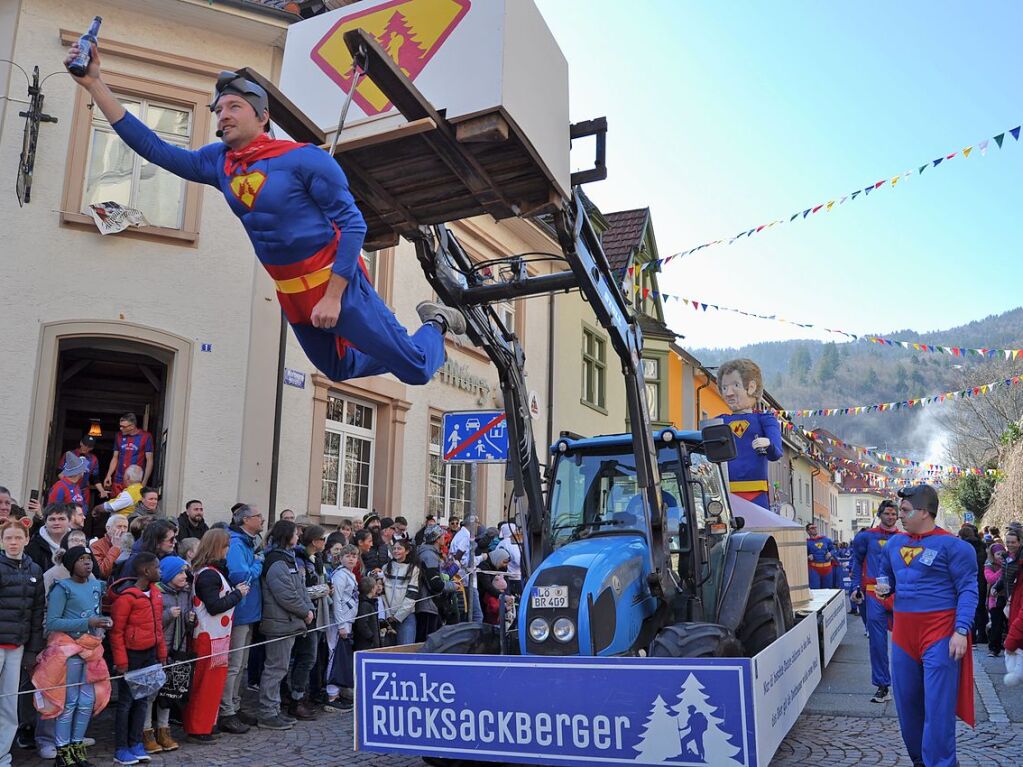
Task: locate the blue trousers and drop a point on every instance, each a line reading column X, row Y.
column 925, row 697
column 79, row 699
column 382, row 344
column 876, row 622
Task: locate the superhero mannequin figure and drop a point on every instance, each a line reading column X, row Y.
column 757, row 434
column 294, row 203
column 867, row 549
column 821, row 556
column 934, row 577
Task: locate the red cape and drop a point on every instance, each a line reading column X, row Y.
column 260, row 148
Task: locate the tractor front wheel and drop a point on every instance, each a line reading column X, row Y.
column 695, row 640
column 768, row 609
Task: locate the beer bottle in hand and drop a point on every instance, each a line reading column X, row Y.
column 86, row 42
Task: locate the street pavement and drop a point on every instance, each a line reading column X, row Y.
column 840, row 727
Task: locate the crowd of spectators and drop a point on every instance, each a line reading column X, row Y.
column 169, row 619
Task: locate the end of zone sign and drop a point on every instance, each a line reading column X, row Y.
column 475, row 436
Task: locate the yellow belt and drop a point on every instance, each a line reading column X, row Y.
column 750, row 486
column 305, row 282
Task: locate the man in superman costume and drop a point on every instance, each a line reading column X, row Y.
column 867, row 549
column 934, row 577
column 757, row 435
column 822, row 559
column 294, row 203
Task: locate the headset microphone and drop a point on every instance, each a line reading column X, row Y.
column 220, row 134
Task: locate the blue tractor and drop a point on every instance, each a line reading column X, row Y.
column 630, row 548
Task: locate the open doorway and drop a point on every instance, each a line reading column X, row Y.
column 97, row 381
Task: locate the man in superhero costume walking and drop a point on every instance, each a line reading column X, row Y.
column 821, row 557
column 934, row 577
column 294, row 203
column 867, row 549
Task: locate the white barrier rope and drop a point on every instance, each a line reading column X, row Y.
column 34, row 690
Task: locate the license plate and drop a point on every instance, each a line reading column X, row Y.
column 549, row 596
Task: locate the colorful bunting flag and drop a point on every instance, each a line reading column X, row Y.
column 999, row 139
column 976, row 391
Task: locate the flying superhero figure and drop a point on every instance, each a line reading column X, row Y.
column 867, row 549
column 822, row 559
column 294, row 203
column 934, row 577
column 757, row 434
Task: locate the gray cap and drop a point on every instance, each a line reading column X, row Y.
column 234, row 84
column 432, row 533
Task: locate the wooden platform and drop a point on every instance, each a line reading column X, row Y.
column 427, row 171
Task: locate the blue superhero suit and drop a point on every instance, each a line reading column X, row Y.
column 867, row 549
column 294, row 203
column 822, row 568
column 747, row 472
column 934, row 577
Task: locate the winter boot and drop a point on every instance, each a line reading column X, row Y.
column 163, row 737
column 300, row 710
column 65, row 757
column 149, row 742
column 78, row 752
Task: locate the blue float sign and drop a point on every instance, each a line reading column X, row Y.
column 475, row 436
column 640, row 711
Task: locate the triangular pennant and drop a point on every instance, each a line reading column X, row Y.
column 999, row 138
column 922, row 168
column 806, row 212
column 966, row 152
column 983, row 146
column 854, row 195
column 1015, row 132
column 938, row 162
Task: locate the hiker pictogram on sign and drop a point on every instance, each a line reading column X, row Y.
column 477, row 436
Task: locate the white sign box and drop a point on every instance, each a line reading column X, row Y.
column 467, row 57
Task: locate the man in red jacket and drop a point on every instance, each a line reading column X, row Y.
column 136, row 641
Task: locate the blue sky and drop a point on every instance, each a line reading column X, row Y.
column 726, row 116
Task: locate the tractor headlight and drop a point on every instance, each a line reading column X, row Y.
column 564, row 630
column 539, row 630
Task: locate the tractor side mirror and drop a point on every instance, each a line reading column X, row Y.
column 715, row 509
column 739, row 523
column 718, row 442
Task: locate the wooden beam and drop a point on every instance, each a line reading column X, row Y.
column 151, row 377
column 74, row 370
column 491, row 128
column 408, row 129
column 284, row 112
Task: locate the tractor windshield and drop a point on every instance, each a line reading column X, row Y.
column 596, row 493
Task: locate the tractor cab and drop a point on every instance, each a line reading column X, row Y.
column 591, row 595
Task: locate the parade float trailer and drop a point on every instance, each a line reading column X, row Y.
column 652, row 628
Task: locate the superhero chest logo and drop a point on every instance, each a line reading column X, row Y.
column 910, row 553
column 410, row 31
column 247, row 186
column 739, row 428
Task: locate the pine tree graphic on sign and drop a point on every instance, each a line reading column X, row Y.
column 701, row 738
column 400, row 42
column 659, row 740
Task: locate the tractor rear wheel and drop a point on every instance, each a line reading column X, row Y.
column 695, row 640
column 768, row 612
column 464, row 639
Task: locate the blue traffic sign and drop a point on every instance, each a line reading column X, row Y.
column 475, row 436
